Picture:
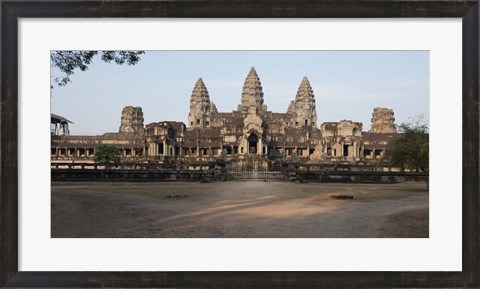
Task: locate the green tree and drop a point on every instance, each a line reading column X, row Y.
column 293, row 158
column 411, row 151
column 107, row 155
column 68, row 61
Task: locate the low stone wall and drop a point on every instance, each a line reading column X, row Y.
column 149, row 175
column 125, row 175
column 359, row 176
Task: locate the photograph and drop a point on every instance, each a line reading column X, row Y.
column 239, row 144
column 246, row 144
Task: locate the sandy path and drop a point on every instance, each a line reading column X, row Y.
column 238, row 209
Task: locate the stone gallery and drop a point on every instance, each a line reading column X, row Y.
column 250, row 131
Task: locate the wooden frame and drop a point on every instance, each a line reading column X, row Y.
column 468, row 10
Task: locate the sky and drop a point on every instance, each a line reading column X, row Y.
column 346, row 84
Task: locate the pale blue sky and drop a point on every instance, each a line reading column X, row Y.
column 347, row 85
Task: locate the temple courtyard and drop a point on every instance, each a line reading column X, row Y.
column 238, row 209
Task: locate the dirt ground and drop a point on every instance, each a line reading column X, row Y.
column 238, row 209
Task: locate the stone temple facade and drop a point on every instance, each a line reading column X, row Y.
column 251, row 131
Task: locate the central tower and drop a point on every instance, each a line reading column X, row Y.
column 252, row 93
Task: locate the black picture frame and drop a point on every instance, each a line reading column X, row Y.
column 11, row 11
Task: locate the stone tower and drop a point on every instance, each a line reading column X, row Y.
column 132, row 119
column 303, row 110
column 200, row 106
column 252, row 93
column 383, row 121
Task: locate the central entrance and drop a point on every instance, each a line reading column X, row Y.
column 252, row 143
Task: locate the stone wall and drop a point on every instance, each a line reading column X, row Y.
column 162, row 175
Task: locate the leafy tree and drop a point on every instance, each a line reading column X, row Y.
column 411, row 151
column 293, row 158
column 68, row 61
column 107, row 155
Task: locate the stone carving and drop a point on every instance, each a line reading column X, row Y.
column 132, row 120
column 383, row 121
column 200, row 106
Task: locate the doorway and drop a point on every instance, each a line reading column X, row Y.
column 252, row 143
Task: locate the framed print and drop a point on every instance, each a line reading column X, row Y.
column 79, row 217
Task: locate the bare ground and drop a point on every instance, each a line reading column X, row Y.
column 238, row 209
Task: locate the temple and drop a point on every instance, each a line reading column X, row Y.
column 250, row 131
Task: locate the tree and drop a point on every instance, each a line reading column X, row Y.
column 293, row 158
column 412, row 149
column 68, row 61
column 107, row 155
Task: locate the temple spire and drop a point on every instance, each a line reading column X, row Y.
column 252, row 72
column 200, row 107
column 305, row 91
column 252, row 93
column 304, row 111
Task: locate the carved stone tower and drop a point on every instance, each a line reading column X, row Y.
column 252, row 93
column 303, row 110
column 132, row 119
column 200, row 106
column 383, row 121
